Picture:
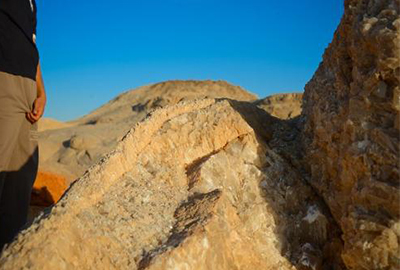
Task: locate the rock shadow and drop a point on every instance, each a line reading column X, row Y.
column 308, row 235
column 41, row 197
column 190, row 215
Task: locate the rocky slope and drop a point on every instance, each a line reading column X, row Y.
column 194, row 186
column 351, row 136
column 69, row 150
column 221, row 184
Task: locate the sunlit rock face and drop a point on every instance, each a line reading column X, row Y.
column 194, row 186
column 351, row 136
column 69, row 149
column 222, row 184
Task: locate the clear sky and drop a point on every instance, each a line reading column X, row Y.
column 93, row 50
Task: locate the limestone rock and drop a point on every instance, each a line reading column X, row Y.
column 194, row 186
column 74, row 146
column 351, row 136
column 69, row 149
column 222, row 184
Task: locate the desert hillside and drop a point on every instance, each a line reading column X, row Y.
column 283, row 106
column 192, row 179
column 213, row 180
column 68, row 149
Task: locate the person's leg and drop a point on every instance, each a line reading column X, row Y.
column 17, row 187
column 11, row 118
column 19, row 154
column 8, row 137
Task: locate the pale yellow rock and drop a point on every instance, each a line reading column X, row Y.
column 221, row 184
column 194, row 186
column 70, row 148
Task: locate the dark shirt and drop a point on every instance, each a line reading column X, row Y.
column 18, row 52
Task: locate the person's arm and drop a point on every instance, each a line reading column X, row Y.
column 40, row 101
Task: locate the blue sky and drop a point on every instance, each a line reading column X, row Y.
column 93, row 50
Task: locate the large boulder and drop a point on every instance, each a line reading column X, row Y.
column 351, row 135
column 221, row 184
column 69, row 149
column 194, row 186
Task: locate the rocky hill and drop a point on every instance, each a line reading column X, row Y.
column 283, row 106
column 69, row 149
column 222, row 184
column 194, row 184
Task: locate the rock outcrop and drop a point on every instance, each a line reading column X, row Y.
column 221, row 184
column 351, row 136
column 67, row 150
column 73, row 147
column 194, row 186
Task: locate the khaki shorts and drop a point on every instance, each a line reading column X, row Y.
column 18, row 153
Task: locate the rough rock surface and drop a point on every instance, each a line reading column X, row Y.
column 68, row 149
column 194, row 186
column 221, row 184
column 351, row 137
column 74, row 146
column 283, row 106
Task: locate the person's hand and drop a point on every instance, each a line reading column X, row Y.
column 38, row 109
